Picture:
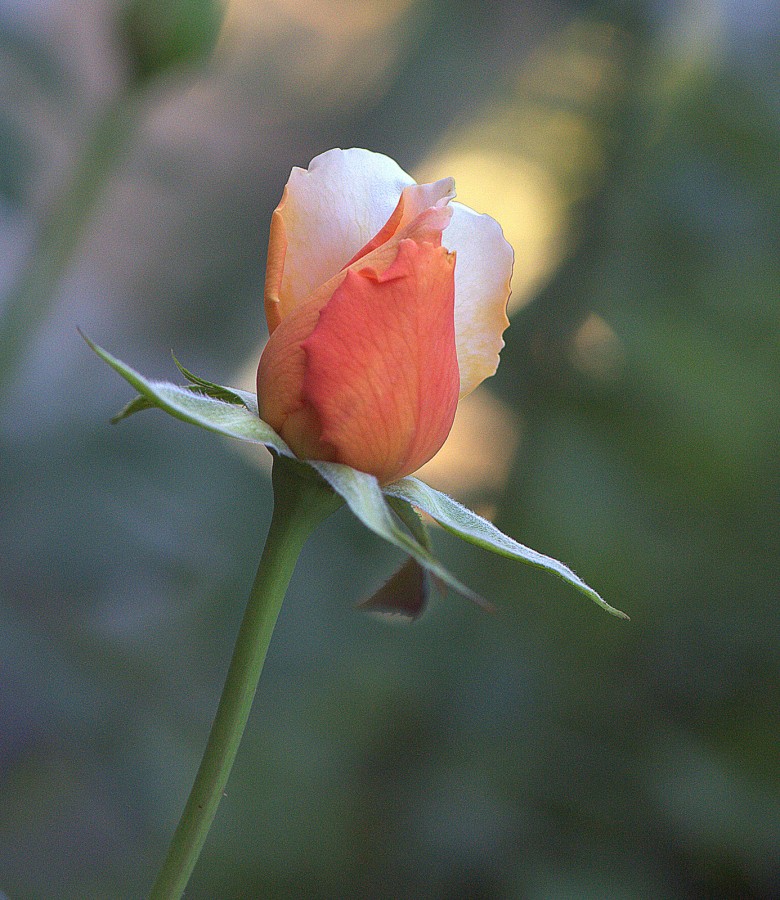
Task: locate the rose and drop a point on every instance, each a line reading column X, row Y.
column 376, row 331
column 385, row 304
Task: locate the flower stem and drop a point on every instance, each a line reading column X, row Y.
column 301, row 502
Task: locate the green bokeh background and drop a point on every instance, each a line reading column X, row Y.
column 548, row 751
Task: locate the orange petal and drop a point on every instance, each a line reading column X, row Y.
column 427, row 227
column 274, row 267
column 381, row 370
column 280, row 377
column 283, row 362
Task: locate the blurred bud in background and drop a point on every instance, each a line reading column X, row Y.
column 160, row 37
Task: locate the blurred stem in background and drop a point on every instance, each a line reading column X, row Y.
column 157, row 38
column 25, row 306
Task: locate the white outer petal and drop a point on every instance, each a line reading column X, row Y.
column 332, row 210
column 483, row 271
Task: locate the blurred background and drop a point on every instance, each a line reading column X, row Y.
column 630, row 151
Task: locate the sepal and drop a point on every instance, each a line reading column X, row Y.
column 233, row 413
column 403, row 596
column 466, row 524
column 217, row 391
column 196, row 404
column 406, row 593
column 137, row 404
column 364, row 497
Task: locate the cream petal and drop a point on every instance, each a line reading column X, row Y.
column 415, row 203
column 330, row 212
column 419, row 197
column 482, row 274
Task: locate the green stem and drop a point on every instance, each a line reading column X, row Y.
column 31, row 295
column 301, row 502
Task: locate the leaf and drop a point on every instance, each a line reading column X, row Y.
column 230, row 419
column 364, row 497
column 229, row 414
column 198, row 386
column 466, row 524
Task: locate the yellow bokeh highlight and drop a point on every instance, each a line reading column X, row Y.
column 477, row 456
column 596, row 349
column 521, row 196
column 528, row 159
column 326, row 52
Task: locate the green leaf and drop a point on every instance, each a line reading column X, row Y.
column 227, row 411
column 198, row 386
column 364, row 497
column 473, row 528
column 230, row 419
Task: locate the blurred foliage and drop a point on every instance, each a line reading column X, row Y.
column 546, row 752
